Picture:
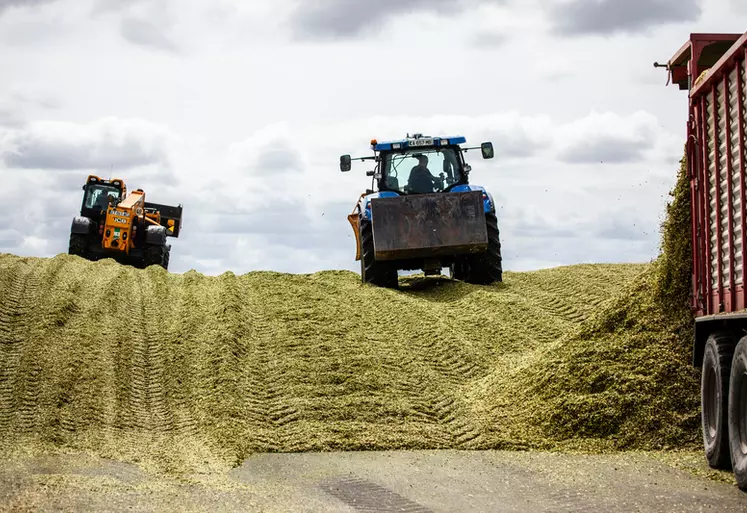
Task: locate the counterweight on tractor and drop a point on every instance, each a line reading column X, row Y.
column 424, row 214
column 114, row 224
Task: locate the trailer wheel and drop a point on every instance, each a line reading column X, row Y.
column 486, row 268
column 714, row 394
column 738, row 414
column 78, row 245
column 382, row 274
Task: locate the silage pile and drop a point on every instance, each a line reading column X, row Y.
column 186, row 373
column 623, row 380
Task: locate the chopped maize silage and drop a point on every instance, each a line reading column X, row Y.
column 187, row 372
column 190, row 373
column 623, row 380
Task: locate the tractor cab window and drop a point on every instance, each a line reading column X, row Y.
column 419, row 171
column 98, row 197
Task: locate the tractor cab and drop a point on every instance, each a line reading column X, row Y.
column 99, row 194
column 419, row 164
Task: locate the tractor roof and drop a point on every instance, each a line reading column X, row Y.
column 417, row 141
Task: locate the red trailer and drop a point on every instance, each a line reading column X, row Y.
column 713, row 68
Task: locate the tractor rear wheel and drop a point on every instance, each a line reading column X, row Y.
column 458, row 269
column 485, row 268
column 78, row 245
column 382, row 274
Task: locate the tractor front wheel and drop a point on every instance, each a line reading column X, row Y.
column 78, row 245
column 382, row 274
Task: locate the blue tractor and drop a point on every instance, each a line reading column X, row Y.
column 424, row 214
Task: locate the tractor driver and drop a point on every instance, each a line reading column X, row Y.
column 421, row 180
column 105, row 199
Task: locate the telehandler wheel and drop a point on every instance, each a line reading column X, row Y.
column 486, row 268
column 166, row 259
column 737, row 420
column 78, row 245
column 156, row 255
column 382, row 274
column 714, row 391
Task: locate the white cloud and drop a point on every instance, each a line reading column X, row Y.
column 244, row 123
column 108, row 142
column 580, row 17
column 608, row 137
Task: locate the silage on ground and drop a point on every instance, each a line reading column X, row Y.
column 190, row 373
column 623, row 380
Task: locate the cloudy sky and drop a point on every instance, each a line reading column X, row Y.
column 240, row 110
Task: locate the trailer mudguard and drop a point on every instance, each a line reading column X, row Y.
column 155, row 235
column 81, row 225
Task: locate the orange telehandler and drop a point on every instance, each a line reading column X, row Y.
column 114, row 224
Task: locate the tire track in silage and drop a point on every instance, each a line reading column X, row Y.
column 440, row 347
column 188, row 313
column 14, row 319
column 154, row 298
column 265, row 381
column 12, row 311
column 146, row 406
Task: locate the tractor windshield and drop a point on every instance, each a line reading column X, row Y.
column 98, row 196
column 419, row 171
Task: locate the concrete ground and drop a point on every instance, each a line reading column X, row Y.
column 416, row 482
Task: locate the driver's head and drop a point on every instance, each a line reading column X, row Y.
column 422, row 160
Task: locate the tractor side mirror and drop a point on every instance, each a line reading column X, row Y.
column 487, row 150
column 345, row 163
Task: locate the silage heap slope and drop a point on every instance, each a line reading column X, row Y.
column 185, row 372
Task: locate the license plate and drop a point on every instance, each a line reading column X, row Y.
column 421, row 142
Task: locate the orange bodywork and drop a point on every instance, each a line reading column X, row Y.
column 355, row 224
column 119, row 227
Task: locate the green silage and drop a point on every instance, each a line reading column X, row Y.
column 186, row 373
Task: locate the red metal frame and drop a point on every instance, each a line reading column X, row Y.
column 742, row 172
column 730, row 191
column 722, row 64
column 717, row 177
column 695, row 45
column 705, row 242
column 705, row 265
column 694, row 221
column 727, row 297
column 706, row 206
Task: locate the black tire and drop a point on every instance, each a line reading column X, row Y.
column 486, row 268
column 166, row 259
column 155, row 255
column 78, row 245
column 714, row 395
column 458, row 269
column 737, row 418
column 382, row 274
